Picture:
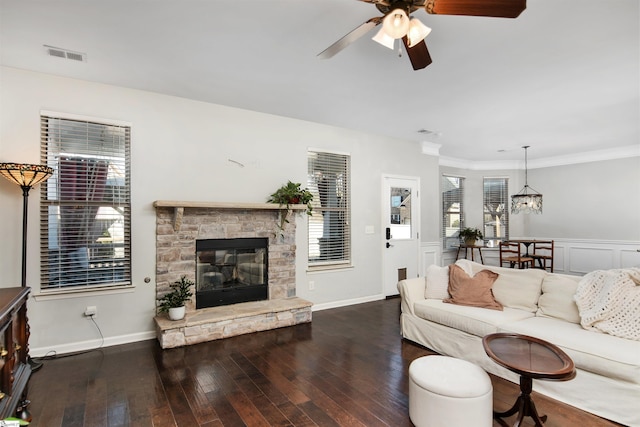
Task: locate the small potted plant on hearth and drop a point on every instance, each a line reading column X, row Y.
column 174, row 301
column 470, row 235
column 290, row 194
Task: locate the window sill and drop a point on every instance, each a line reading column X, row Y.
column 329, row 268
column 78, row 293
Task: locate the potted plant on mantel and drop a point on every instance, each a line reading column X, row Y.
column 470, row 235
column 290, row 194
column 174, row 301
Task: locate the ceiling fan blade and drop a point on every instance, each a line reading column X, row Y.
column 418, row 54
column 350, row 38
column 492, row 8
column 383, row 2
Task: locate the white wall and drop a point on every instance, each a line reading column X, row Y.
column 180, row 151
column 598, row 200
column 595, row 200
column 591, row 210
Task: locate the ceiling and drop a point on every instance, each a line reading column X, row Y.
column 562, row 78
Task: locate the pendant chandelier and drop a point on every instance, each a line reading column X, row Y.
column 527, row 200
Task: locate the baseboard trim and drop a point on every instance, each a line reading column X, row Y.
column 39, row 352
column 90, row 344
column 346, row 302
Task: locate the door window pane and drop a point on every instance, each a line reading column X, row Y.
column 400, row 208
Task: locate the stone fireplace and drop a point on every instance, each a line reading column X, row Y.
column 179, row 225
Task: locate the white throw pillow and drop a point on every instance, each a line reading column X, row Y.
column 469, row 267
column 437, row 282
column 514, row 288
column 557, row 298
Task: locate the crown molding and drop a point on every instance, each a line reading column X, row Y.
column 475, row 165
column 586, row 157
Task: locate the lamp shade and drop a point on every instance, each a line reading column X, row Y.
column 396, row 24
column 417, row 32
column 526, row 202
column 382, row 38
column 25, row 175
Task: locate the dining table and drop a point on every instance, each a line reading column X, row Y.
column 527, row 243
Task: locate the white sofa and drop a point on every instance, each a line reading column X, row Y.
column 539, row 304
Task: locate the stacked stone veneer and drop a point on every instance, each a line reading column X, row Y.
column 176, row 233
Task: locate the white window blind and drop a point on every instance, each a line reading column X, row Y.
column 85, row 208
column 328, row 179
column 452, row 188
column 496, row 214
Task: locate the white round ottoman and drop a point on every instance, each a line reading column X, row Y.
column 444, row 391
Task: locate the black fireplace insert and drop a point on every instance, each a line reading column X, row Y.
column 230, row 271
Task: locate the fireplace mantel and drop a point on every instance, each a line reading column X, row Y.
column 179, row 207
column 221, row 205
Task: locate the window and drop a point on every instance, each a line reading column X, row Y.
column 85, row 207
column 496, row 215
column 452, row 188
column 328, row 179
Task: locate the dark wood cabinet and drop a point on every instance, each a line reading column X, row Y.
column 14, row 348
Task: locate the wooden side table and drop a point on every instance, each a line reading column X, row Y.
column 468, row 248
column 531, row 358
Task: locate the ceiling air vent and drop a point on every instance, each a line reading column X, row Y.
column 66, row 54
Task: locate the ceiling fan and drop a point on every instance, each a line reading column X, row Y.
column 397, row 23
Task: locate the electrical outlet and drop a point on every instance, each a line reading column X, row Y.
column 312, row 285
column 91, row 311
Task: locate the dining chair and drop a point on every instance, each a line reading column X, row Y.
column 543, row 254
column 510, row 253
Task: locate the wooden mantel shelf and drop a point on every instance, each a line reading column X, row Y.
column 222, row 205
column 179, row 206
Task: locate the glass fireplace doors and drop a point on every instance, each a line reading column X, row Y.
column 230, row 271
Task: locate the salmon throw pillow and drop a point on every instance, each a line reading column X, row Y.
column 472, row 291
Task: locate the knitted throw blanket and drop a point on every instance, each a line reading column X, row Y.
column 609, row 301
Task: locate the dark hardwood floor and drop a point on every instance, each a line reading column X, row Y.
column 347, row 368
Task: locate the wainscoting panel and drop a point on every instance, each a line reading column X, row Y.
column 584, row 259
column 576, row 257
column 558, row 258
column 491, row 256
column 630, row 257
column 429, row 255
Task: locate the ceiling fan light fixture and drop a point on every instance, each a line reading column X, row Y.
column 396, row 24
column 417, row 32
column 383, row 38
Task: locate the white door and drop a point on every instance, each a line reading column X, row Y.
column 400, row 230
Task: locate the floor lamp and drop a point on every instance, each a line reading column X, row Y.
column 26, row 176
